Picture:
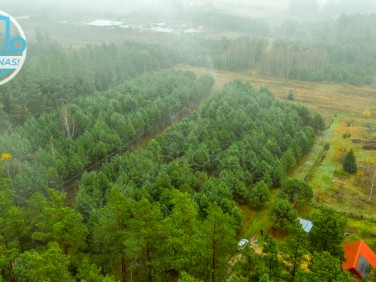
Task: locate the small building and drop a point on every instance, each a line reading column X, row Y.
column 105, row 23
column 162, row 29
column 158, row 24
column 359, row 257
column 306, row 224
column 190, row 31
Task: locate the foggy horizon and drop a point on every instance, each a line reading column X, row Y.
column 253, row 9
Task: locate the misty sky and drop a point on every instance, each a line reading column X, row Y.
column 126, row 6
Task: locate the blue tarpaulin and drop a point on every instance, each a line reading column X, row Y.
column 306, row 224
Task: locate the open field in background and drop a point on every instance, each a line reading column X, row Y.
column 348, row 109
column 224, row 34
column 327, row 98
column 76, row 36
column 79, row 35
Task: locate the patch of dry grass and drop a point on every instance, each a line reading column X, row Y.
column 326, row 98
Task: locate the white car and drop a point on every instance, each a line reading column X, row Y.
column 242, row 243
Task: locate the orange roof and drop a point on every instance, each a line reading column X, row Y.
column 353, row 251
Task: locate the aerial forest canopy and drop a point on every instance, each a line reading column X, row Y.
column 145, row 214
column 55, row 76
column 116, row 166
column 57, row 146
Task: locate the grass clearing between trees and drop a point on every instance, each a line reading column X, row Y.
column 256, row 220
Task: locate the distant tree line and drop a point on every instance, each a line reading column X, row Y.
column 294, row 61
column 338, row 51
column 236, row 55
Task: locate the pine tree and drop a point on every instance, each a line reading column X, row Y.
column 48, row 265
column 327, row 233
column 349, row 163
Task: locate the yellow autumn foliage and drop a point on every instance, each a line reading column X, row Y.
column 5, row 156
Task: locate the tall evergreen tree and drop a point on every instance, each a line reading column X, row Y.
column 184, row 226
column 147, row 241
column 296, row 191
column 54, row 222
column 295, row 251
column 349, row 163
column 284, row 215
column 327, row 232
column 111, row 232
column 216, row 239
column 271, row 260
